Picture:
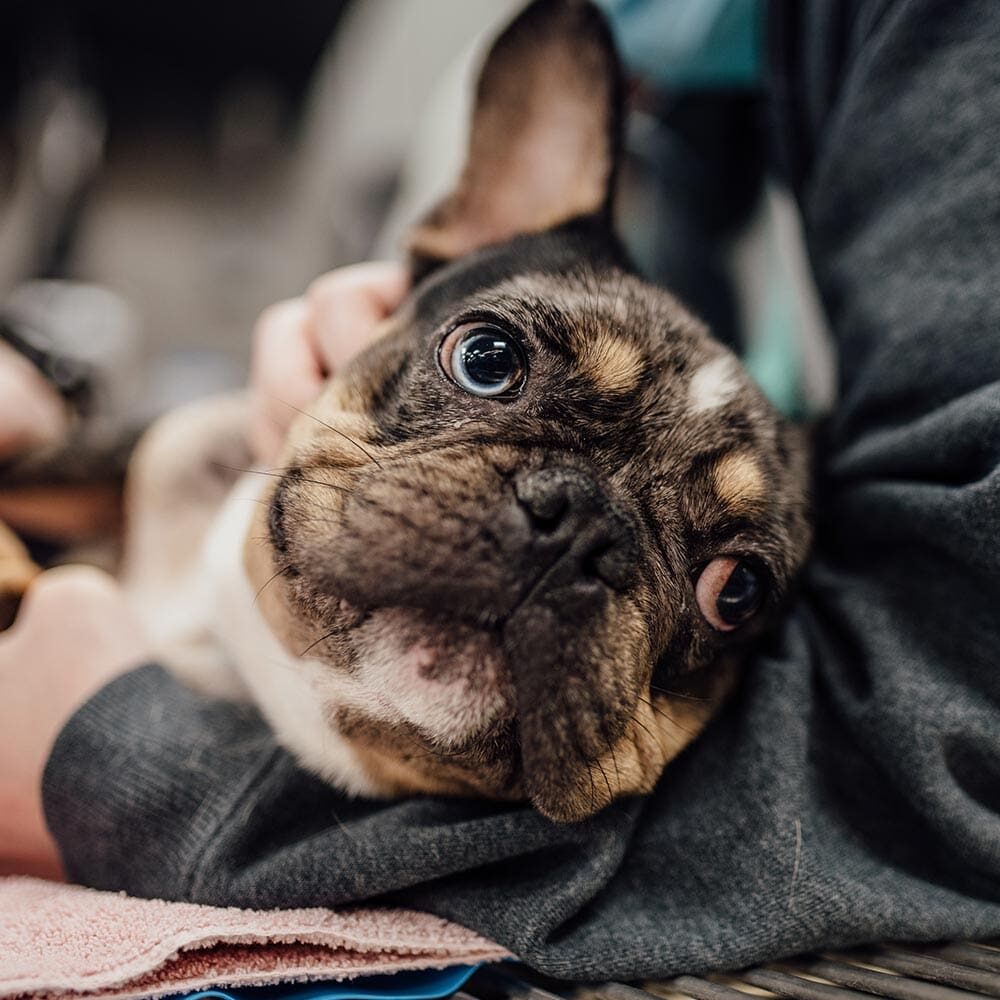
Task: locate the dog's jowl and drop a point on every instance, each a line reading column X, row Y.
column 516, row 548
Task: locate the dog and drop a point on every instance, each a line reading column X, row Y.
column 519, row 547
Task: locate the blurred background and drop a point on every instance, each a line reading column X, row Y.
column 204, row 160
column 167, row 170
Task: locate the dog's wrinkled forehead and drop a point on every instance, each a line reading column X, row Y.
column 613, row 333
column 611, row 359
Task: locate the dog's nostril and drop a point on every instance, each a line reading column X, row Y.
column 568, row 509
column 591, row 563
column 545, row 495
column 547, row 510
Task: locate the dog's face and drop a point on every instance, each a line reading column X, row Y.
column 527, row 533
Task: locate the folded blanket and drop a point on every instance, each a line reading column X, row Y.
column 59, row 939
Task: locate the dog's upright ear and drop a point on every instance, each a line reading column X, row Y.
column 545, row 135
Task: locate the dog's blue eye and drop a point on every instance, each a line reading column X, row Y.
column 483, row 360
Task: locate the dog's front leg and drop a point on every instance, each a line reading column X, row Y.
column 182, row 471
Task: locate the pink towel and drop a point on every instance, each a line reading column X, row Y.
column 58, row 940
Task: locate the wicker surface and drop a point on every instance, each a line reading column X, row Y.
column 901, row 972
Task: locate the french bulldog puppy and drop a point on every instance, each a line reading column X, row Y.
column 518, row 547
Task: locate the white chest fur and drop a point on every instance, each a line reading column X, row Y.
column 223, row 646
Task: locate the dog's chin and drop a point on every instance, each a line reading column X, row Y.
column 442, row 678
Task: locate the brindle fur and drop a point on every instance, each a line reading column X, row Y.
column 399, row 518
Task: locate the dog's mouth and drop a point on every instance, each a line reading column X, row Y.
column 446, row 680
column 528, row 706
column 436, row 708
column 513, row 710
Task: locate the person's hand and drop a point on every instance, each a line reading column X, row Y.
column 31, row 412
column 74, row 633
column 300, row 342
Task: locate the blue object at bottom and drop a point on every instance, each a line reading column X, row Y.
column 425, row 984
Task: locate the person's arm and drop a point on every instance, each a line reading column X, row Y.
column 74, row 633
column 901, row 207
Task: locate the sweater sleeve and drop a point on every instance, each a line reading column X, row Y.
column 144, row 776
column 902, row 215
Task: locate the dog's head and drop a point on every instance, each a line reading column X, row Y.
column 526, row 534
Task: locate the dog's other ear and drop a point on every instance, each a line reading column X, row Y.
column 545, row 135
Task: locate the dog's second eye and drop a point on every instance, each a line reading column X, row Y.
column 483, row 360
column 729, row 593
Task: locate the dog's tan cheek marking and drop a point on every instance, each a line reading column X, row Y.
column 661, row 727
column 344, row 395
column 392, row 776
column 738, row 480
column 612, row 364
column 331, row 447
column 653, row 738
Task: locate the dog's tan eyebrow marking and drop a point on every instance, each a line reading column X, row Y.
column 613, row 364
column 738, row 480
column 713, row 384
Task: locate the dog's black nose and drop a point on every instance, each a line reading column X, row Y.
column 574, row 522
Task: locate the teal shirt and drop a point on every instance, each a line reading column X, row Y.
column 690, row 44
